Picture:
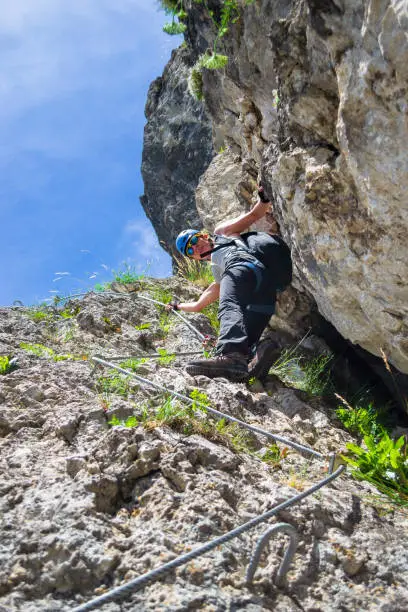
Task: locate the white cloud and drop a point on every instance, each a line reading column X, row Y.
column 142, row 240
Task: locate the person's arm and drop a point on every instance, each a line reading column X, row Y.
column 210, row 295
column 240, row 224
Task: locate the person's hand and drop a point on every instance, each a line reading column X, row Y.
column 171, row 306
column 261, row 194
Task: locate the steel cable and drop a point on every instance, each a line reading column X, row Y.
column 299, row 447
column 141, row 581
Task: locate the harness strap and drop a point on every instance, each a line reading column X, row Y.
column 237, row 242
column 217, row 248
column 262, row 308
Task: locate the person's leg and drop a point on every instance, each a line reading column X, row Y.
column 231, row 359
column 236, row 291
column 261, row 308
column 258, row 315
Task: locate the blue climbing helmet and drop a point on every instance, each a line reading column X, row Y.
column 183, row 240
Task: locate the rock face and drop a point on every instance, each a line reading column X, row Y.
column 314, row 100
column 87, row 504
column 177, row 150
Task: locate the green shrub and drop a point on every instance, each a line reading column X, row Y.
column 383, row 463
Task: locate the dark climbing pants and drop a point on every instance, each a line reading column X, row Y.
column 247, row 302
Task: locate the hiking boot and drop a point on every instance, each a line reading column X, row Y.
column 266, row 354
column 232, row 366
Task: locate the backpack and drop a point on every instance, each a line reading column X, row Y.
column 269, row 250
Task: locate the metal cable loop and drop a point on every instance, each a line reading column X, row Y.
column 140, row 581
column 263, row 541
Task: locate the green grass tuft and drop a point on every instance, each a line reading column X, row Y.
column 127, row 275
column 311, row 376
column 197, row 272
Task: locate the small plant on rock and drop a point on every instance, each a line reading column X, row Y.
column 172, row 410
column 43, row 351
column 384, row 463
column 116, row 383
column 274, row 455
column 381, row 460
column 128, row 274
column 359, row 421
column 133, row 364
column 4, row 364
column 129, row 422
column 240, row 439
column 311, row 376
column 175, row 9
column 70, row 311
column 165, row 357
column 143, row 326
column 39, row 316
column 200, row 400
column 211, row 312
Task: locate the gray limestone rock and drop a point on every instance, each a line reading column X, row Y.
column 313, row 100
column 177, row 149
column 87, row 505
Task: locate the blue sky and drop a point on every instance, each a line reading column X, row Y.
column 73, row 82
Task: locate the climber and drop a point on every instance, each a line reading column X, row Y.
column 248, row 268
